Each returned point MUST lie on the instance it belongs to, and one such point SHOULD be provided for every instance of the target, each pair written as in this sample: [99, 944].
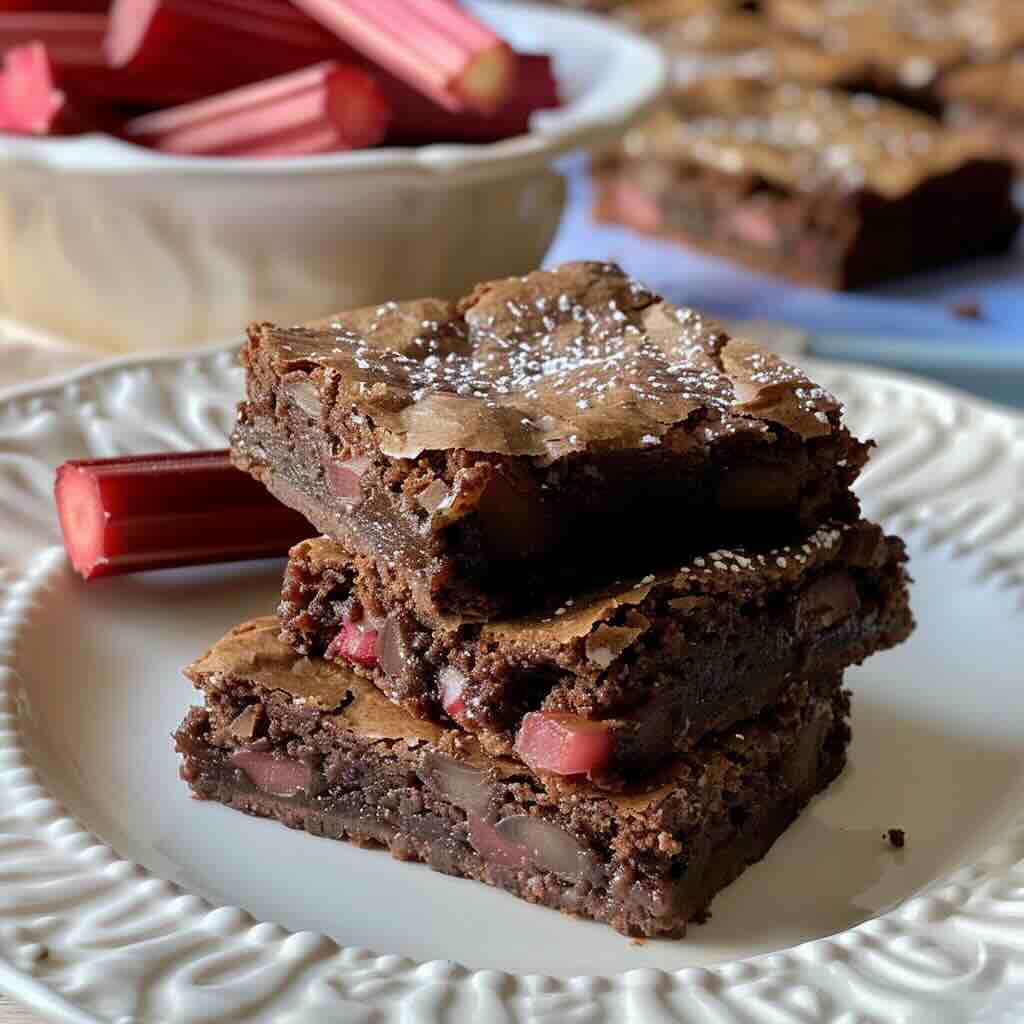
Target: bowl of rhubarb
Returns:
[170, 170]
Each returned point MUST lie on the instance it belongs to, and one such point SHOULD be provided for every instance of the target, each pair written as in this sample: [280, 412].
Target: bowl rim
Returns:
[629, 89]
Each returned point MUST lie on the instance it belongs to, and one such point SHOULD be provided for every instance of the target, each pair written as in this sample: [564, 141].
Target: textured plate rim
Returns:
[978, 911]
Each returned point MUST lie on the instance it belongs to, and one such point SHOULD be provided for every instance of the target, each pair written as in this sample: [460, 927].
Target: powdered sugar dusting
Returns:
[809, 138]
[730, 563]
[547, 364]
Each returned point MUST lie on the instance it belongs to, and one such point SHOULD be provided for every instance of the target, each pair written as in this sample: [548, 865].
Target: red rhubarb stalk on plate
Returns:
[431, 45]
[326, 107]
[145, 512]
[563, 744]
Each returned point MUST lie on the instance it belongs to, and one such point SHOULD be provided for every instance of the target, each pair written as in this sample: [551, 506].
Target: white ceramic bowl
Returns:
[119, 248]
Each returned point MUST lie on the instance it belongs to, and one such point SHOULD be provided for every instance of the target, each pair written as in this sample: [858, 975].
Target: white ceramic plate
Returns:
[166, 917]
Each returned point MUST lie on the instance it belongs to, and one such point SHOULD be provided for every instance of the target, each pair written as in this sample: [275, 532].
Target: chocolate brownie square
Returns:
[292, 738]
[543, 434]
[612, 684]
[816, 185]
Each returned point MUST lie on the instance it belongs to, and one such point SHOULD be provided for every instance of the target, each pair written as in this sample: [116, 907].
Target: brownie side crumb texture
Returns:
[342, 762]
[657, 664]
[732, 172]
[526, 425]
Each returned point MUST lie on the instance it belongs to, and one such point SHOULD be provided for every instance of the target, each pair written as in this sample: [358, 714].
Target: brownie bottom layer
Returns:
[409, 819]
[777, 236]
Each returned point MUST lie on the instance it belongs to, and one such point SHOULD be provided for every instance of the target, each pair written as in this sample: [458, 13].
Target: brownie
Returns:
[543, 434]
[815, 185]
[291, 738]
[640, 671]
[901, 49]
[987, 100]
[704, 39]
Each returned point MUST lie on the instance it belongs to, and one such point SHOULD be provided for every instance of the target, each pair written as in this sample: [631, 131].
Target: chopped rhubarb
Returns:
[355, 642]
[30, 102]
[142, 29]
[345, 477]
[417, 119]
[326, 107]
[157, 511]
[279, 776]
[431, 45]
[75, 47]
[453, 685]
[563, 744]
[493, 846]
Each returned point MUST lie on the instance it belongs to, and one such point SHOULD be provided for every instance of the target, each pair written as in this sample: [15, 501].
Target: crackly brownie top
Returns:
[995, 86]
[705, 40]
[253, 654]
[914, 39]
[805, 138]
[697, 24]
[690, 588]
[581, 356]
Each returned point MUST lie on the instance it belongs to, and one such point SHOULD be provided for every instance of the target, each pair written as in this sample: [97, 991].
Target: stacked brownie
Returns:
[590, 577]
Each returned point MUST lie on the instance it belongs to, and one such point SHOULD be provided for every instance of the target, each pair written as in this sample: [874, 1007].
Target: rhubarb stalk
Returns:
[431, 45]
[216, 45]
[157, 511]
[75, 47]
[30, 102]
[68, 38]
[327, 107]
[416, 119]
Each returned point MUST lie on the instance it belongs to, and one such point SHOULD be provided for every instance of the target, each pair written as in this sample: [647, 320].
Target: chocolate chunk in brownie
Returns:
[816, 185]
[613, 682]
[291, 738]
[545, 433]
